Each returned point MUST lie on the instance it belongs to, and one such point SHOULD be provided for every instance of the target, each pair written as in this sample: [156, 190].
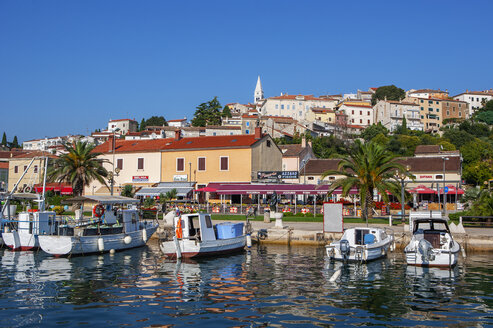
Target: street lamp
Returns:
[402, 176]
[444, 194]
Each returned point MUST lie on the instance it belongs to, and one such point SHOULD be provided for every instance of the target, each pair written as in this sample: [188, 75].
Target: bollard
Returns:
[267, 217]
[390, 220]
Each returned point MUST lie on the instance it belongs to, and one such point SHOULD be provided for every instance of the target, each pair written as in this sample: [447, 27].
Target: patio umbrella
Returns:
[422, 189]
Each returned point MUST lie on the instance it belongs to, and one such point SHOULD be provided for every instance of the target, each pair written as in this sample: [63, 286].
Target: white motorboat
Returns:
[110, 228]
[432, 244]
[195, 236]
[361, 244]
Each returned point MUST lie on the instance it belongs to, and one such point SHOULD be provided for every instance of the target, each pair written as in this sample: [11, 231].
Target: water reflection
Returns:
[271, 285]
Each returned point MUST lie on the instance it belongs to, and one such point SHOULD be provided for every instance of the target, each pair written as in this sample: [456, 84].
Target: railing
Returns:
[477, 221]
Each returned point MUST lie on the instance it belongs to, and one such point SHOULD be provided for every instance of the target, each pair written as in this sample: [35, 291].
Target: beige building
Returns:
[295, 156]
[123, 126]
[220, 159]
[391, 113]
[323, 115]
[295, 106]
[18, 164]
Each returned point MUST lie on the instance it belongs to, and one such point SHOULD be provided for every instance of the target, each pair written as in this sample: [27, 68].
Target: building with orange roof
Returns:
[428, 93]
[429, 111]
[295, 106]
[475, 99]
[358, 112]
[230, 158]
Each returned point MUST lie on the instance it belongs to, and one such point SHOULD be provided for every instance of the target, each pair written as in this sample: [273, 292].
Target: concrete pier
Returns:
[311, 233]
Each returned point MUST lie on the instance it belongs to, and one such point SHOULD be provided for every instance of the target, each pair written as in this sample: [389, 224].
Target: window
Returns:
[368, 113]
[448, 113]
[201, 164]
[447, 104]
[268, 143]
[437, 102]
[439, 177]
[119, 163]
[352, 121]
[438, 110]
[277, 106]
[422, 108]
[16, 169]
[224, 161]
[301, 113]
[460, 114]
[361, 112]
[35, 169]
[422, 101]
[287, 107]
[140, 163]
[430, 109]
[214, 133]
[294, 107]
[422, 117]
[360, 121]
[282, 106]
[180, 164]
[368, 122]
[352, 112]
[247, 124]
[247, 131]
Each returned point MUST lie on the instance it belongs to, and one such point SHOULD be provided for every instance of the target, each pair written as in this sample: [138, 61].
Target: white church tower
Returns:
[259, 93]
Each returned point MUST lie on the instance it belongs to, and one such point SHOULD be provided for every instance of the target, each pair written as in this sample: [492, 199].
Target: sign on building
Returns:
[140, 178]
[180, 177]
[277, 175]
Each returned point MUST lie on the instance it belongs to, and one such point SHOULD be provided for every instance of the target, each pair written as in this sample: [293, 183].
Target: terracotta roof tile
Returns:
[319, 166]
[156, 145]
[4, 165]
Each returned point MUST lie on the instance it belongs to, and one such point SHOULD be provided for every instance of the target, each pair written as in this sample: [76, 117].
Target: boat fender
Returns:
[98, 210]
[392, 246]
[249, 240]
[335, 275]
[127, 239]
[144, 235]
[112, 251]
[101, 244]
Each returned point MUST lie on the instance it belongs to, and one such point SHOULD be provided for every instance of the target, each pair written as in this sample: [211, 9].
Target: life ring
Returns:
[27, 189]
[98, 210]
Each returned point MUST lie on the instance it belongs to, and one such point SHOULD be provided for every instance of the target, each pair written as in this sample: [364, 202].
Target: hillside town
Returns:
[249, 149]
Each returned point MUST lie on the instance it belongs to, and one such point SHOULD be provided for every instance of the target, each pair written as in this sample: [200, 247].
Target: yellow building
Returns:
[34, 175]
[220, 158]
[321, 115]
[430, 112]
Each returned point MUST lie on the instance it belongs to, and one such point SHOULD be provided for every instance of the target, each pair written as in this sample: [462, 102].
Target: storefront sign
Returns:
[140, 178]
[180, 177]
[426, 177]
[277, 175]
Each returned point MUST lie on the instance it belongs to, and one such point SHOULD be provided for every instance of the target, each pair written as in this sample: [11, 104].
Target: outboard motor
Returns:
[426, 250]
[345, 249]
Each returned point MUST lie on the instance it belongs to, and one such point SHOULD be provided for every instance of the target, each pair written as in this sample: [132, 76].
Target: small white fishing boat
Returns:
[195, 236]
[111, 227]
[432, 244]
[28, 225]
[361, 244]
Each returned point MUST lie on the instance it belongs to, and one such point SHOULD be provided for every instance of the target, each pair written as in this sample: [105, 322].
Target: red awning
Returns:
[421, 189]
[64, 189]
[452, 190]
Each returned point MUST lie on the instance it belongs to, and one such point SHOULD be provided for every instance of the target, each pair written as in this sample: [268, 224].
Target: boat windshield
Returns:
[430, 226]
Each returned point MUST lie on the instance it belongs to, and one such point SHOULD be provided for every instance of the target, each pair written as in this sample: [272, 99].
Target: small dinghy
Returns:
[195, 236]
[432, 244]
[361, 244]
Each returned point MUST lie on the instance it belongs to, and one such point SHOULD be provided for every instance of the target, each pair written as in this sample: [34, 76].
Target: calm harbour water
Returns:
[270, 285]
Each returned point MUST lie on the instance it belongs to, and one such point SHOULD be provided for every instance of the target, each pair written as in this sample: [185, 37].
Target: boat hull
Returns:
[190, 248]
[442, 258]
[368, 253]
[82, 245]
[20, 241]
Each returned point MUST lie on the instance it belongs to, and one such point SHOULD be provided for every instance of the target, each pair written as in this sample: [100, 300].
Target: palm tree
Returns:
[79, 166]
[368, 167]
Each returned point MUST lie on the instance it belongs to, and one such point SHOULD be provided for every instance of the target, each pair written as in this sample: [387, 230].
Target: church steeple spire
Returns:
[259, 93]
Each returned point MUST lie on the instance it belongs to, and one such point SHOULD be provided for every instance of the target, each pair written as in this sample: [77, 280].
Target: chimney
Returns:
[303, 142]
[111, 142]
[258, 132]
[177, 134]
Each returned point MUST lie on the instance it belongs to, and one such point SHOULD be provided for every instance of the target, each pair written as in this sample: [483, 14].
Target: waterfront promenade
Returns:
[311, 233]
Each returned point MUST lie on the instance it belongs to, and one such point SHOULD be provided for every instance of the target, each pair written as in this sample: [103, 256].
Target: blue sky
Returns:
[70, 66]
